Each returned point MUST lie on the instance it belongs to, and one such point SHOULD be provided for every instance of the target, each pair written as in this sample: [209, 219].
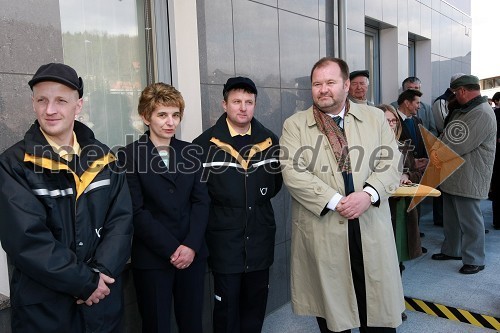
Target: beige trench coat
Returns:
[320, 268]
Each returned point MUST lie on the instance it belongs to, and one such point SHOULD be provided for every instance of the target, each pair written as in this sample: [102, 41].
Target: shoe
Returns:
[471, 269]
[442, 256]
[486, 231]
[404, 316]
[424, 250]
[422, 234]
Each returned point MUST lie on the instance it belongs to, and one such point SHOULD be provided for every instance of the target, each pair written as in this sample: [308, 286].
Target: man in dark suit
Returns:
[424, 112]
[408, 105]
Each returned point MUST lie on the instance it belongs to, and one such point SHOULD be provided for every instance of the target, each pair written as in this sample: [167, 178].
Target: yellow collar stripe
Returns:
[259, 147]
[93, 170]
[80, 182]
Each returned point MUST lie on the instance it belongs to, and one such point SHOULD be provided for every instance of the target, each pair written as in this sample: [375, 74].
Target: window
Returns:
[372, 62]
[106, 42]
[411, 57]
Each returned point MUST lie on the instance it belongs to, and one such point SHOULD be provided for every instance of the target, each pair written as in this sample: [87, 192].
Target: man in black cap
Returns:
[360, 80]
[243, 173]
[66, 222]
[470, 131]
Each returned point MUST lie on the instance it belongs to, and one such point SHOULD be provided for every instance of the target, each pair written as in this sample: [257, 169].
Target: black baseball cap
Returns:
[58, 73]
[239, 82]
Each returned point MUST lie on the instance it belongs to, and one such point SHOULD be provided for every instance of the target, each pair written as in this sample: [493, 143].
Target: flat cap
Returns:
[455, 76]
[239, 82]
[364, 73]
[464, 80]
[60, 73]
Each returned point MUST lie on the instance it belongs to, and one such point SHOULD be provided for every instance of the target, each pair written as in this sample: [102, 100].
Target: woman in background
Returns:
[406, 231]
[408, 247]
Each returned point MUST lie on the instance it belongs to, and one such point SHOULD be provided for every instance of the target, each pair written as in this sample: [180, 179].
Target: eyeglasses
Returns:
[390, 121]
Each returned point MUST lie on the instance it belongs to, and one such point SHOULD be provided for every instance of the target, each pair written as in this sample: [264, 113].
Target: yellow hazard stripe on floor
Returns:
[448, 312]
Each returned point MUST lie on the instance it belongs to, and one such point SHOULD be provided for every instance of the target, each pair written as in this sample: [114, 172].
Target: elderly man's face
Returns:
[359, 87]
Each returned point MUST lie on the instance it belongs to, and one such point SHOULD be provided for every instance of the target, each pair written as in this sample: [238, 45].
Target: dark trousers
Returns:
[62, 315]
[240, 301]
[437, 210]
[155, 290]
[358, 276]
[495, 204]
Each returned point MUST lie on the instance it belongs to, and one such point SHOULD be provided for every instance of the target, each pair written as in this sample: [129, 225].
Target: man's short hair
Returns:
[410, 79]
[344, 68]
[408, 95]
[496, 96]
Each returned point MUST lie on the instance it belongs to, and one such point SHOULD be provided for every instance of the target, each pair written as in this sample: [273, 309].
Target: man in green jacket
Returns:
[470, 131]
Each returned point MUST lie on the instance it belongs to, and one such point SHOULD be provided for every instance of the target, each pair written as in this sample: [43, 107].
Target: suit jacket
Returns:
[419, 151]
[426, 115]
[170, 204]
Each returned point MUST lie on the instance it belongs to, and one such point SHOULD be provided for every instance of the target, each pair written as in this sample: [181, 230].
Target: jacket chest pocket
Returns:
[58, 200]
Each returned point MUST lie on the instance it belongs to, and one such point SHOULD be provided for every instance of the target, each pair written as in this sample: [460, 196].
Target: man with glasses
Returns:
[470, 131]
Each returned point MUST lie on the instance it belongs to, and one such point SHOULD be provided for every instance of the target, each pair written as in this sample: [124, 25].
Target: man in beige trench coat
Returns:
[344, 265]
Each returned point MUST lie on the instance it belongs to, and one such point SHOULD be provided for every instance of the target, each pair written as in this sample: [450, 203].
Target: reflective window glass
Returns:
[104, 41]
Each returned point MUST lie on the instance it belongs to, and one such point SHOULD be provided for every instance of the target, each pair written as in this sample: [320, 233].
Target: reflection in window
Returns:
[104, 42]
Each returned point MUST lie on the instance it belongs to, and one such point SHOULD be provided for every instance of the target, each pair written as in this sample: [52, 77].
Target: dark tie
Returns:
[338, 119]
[411, 128]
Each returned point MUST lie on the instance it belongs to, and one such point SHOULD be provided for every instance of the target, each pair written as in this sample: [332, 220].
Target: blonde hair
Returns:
[391, 109]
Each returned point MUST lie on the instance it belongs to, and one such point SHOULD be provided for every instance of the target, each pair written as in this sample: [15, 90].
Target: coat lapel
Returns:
[148, 153]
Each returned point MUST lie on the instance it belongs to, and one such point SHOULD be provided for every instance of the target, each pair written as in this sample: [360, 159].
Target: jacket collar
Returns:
[37, 145]
[354, 110]
[221, 131]
[473, 103]
[93, 158]
[151, 156]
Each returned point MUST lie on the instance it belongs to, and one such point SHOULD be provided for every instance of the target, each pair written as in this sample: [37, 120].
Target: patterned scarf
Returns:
[336, 137]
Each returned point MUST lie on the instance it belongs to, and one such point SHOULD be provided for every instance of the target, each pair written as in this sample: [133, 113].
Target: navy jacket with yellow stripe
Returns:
[241, 227]
[61, 223]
